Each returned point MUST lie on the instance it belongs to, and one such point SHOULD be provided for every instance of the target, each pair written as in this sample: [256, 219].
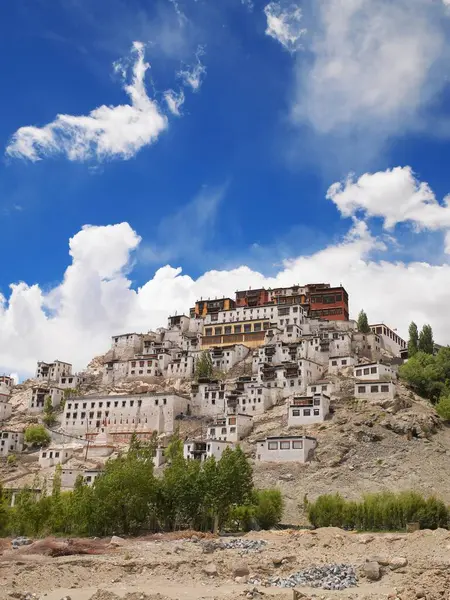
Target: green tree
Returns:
[413, 342]
[268, 507]
[37, 436]
[363, 323]
[204, 366]
[443, 407]
[424, 375]
[426, 342]
[49, 415]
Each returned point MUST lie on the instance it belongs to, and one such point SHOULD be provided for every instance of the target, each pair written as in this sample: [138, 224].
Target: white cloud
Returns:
[74, 321]
[107, 132]
[394, 195]
[174, 101]
[284, 24]
[374, 67]
[192, 76]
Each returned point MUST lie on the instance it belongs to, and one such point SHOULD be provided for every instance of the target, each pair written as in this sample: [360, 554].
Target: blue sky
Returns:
[277, 102]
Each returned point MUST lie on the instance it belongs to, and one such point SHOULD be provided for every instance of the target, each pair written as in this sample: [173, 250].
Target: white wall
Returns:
[372, 371]
[308, 410]
[5, 408]
[297, 449]
[375, 390]
[10, 441]
[337, 363]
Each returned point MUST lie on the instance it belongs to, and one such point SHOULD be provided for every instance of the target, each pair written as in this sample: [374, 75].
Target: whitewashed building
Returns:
[285, 449]
[307, 410]
[5, 407]
[10, 441]
[53, 371]
[225, 357]
[55, 455]
[70, 381]
[390, 340]
[231, 428]
[182, 366]
[208, 398]
[202, 450]
[39, 395]
[322, 386]
[375, 389]
[337, 363]
[6, 384]
[124, 414]
[372, 371]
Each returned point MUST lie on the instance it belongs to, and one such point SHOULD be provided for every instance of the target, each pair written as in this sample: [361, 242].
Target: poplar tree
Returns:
[413, 342]
[426, 342]
[363, 323]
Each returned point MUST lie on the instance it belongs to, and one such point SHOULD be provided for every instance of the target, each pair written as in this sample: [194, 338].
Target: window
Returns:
[232, 429]
[208, 331]
[156, 402]
[316, 412]
[306, 412]
[272, 446]
[228, 330]
[164, 400]
[344, 362]
[56, 454]
[218, 331]
[67, 415]
[361, 389]
[385, 388]
[295, 413]
[224, 431]
[373, 369]
[257, 327]
[285, 445]
[297, 445]
[316, 401]
[366, 371]
[313, 389]
[373, 389]
[292, 383]
[247, 328]
[237, 328]
[358, 372]
[212, 432]
[334, 363]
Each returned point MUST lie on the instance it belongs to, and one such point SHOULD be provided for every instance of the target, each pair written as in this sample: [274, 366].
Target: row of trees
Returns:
[378, 512]
[129, 498]
[420, 342]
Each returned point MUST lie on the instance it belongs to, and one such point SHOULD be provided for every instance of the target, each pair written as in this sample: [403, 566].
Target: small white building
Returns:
[182, 366]
[372, 371]
[208, 398]
[100, 446]
[70, 475]
[39, 395]
[53, 371]
[307, 410]
[5, 407]
[70, 381]
[11, 441]
[322, 386]
[55, 455]
[225, 357]
[230, 428]
[285, 449]
[143, 366]
[202, 450]
[374, 390]
[6, 384]
[337, 363]
[127, 341]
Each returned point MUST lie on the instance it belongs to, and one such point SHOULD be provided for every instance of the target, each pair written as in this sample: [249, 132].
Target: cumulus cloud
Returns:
[95, 299]
[284, 24]
[374, 66]
[107, 132]
[192, 76]
[395, 195]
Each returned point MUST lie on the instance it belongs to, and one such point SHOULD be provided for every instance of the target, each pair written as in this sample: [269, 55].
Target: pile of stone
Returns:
[326, 577]
[20, 541]
[245, 545]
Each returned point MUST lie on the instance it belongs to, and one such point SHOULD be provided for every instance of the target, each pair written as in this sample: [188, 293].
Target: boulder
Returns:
[117, 541]
[241, 570]
[372, 571]
[210, 569]
[398, 562]
[208, 547]
[381, 560]
[240, 579]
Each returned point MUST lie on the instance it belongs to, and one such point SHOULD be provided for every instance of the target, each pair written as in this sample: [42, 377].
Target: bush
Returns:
[37, 436]
[443, 407]
[379, 512]
[268, 507]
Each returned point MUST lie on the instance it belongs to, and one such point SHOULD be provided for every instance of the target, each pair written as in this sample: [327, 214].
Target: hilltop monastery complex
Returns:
[266, 347]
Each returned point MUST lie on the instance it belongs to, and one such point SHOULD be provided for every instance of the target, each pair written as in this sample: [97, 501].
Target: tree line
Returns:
[128, 498]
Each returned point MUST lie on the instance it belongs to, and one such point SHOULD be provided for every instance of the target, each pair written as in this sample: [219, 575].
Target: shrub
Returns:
[379, 512]
[37, 435]
[268, 505]
[443, 408]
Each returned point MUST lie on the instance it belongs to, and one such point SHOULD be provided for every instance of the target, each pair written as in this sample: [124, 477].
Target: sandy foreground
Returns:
[188, 568]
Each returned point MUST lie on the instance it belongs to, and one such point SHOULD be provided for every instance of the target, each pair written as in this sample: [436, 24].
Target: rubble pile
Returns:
[245, 545]
[327, 577]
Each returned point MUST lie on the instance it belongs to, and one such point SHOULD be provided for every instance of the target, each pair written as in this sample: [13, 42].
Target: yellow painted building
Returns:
[248, 333]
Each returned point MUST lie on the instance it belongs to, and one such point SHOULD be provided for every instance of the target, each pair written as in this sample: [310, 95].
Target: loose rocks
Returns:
[241, 570]
[117, 541]
[398, 562]
[327, 577]
[372, 571]
[244, 545]
[210, 569]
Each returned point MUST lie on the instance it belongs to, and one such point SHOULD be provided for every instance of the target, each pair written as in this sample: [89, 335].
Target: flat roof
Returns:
[287, 437]
[359, 365]
[379, 381]
[119, 396]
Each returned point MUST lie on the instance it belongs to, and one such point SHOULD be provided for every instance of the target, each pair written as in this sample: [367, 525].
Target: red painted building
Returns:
[252, 298]
[328, 303]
